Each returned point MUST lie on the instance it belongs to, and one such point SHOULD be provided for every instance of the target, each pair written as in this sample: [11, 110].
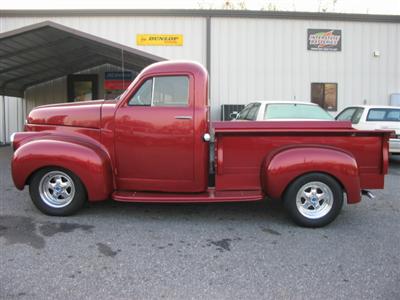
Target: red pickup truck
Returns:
[156, 144]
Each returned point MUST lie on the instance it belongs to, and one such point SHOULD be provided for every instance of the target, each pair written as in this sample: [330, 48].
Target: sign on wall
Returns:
[115, 83]
[159, 39]
[117, 80]
[324, 40]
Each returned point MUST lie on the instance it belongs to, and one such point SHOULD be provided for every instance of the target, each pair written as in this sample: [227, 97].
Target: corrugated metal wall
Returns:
[123, 30]
[12, 116]
[251, 58]
[267, 59]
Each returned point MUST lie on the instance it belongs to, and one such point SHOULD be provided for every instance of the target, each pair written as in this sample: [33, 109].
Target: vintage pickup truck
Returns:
[153, 145]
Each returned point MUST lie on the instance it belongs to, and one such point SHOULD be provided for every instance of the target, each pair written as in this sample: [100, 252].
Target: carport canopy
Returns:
[45, 51]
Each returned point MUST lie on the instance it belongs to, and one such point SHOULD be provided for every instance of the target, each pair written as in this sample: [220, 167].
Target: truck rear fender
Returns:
[285, 165]
[90, 163]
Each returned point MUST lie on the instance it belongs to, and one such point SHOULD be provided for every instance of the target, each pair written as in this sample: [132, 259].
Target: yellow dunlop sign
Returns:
[159, 39]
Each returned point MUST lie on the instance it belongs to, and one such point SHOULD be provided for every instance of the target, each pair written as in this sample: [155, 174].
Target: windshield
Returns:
[295, 111]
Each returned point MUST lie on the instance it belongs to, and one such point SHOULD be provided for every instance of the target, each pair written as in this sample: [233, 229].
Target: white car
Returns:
[375, 117]
[282, 111]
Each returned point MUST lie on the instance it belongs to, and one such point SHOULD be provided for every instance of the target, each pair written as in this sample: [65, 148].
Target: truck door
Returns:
[154, 136]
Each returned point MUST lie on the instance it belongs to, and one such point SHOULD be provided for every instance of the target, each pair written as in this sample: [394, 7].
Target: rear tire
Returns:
[57, 192]
[314, 200]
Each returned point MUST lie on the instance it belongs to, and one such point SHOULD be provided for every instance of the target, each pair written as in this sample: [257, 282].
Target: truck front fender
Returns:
[90, 163]
[284, 166]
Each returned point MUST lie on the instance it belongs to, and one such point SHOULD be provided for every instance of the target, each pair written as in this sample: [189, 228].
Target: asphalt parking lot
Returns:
[116, 250]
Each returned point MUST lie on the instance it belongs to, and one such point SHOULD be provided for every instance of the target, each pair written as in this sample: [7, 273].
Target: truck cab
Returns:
[159, 124]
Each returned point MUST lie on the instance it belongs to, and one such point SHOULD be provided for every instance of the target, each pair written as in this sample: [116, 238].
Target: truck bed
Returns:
[241, 147]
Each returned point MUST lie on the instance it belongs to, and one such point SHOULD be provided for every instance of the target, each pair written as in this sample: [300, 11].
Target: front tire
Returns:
[314, 200]
[57, 192]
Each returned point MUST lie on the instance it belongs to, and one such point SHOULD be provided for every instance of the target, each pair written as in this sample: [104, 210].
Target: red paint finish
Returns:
[240, 154]
[281, 126]
[146, 154]
[90, 163]
[289, 163]
[151, 138]
[81, 114]
[211, 195]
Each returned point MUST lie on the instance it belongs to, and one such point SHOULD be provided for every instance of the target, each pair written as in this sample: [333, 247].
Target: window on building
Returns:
[325, 95]
[163, 91]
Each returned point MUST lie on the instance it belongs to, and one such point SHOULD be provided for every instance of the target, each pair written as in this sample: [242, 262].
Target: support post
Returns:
[3, 121]
[208, 45]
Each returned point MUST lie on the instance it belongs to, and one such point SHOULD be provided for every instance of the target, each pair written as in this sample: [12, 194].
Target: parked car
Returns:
[371, 117]
[282, 110]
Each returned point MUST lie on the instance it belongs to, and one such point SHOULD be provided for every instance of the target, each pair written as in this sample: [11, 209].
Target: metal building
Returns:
[332, 59]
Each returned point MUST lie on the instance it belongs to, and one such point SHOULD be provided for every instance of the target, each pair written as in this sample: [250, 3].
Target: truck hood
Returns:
[82, 114]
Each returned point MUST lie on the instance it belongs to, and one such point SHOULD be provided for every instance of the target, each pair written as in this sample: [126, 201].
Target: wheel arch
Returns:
[88, 162]
[283, 167]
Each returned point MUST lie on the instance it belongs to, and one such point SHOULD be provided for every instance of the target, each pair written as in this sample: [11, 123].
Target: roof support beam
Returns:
[107, 51]
[86, 66]
[60, 67]
[60, 57]
[12, 93]
[48, 45]
[128, 64]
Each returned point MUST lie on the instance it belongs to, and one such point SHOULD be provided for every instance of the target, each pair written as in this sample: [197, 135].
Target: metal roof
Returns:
[209, 13]
[41, 52]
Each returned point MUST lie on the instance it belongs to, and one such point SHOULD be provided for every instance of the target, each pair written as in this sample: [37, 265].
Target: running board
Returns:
[209, 196]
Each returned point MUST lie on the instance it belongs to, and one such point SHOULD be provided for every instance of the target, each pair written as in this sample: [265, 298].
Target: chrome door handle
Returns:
[183, 117]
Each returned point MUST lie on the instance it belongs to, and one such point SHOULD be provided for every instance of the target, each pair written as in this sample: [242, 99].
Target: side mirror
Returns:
[233, 115]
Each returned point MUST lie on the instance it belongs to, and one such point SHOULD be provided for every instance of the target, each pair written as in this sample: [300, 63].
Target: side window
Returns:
[171, 91]
[346, 115]
[393, 115]
[376, 115]
[243, 114]
[143, 95]
[163, 91]
[252, 115]
[384, 114]
[357, 116]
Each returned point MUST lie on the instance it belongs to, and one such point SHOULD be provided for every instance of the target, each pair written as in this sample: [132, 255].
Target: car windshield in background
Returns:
[384, 114]
[295, 111]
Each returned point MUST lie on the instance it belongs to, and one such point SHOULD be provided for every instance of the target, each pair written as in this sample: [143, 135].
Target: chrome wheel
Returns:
[56, 189]
[314, 200]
